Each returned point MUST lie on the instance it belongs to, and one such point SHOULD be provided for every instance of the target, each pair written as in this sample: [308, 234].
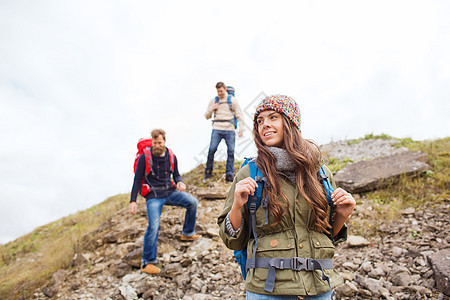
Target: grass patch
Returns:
[370, 136]
[28, 262]
[432, 188]
[335, 164]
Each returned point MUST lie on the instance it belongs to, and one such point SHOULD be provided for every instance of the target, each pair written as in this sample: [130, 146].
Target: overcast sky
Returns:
[82, 81]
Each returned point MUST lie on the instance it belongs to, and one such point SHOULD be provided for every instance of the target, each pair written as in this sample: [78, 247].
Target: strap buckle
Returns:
[301, 263]
[253, 205]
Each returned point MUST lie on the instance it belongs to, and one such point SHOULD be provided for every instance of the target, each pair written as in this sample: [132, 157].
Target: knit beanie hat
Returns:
[282, 104]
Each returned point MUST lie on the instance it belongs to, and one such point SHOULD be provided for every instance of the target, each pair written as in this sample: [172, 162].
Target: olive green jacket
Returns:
[292, 237]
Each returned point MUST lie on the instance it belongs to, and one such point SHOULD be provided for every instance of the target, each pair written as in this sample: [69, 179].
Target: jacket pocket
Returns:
[323, 247]
[275, 246]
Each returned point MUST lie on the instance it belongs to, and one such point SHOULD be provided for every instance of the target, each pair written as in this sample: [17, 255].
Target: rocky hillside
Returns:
[397, 250]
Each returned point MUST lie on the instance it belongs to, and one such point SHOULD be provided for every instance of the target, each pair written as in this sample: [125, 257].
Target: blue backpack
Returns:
[230, 91]
[254, 203]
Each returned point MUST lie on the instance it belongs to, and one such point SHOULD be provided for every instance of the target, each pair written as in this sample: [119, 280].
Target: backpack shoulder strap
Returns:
[148, 160]
[171, 159]
[232, 111]
[216, 99]
[323, 178]
[229, 103]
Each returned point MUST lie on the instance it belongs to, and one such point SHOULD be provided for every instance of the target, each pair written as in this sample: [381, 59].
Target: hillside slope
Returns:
[94, 254]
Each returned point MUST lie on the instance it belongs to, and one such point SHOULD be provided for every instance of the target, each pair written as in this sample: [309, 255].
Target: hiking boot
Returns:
[229, 178]
[208, 175]
[150, 269]
[189, 238]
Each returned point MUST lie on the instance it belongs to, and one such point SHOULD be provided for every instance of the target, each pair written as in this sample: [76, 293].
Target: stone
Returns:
[171, 270]
[368, 175]
[128, 292]
[59, 276]
[212, 231]
[121, 269]
[356, 241]
[347, 289]
[397, 251]
[348, 276]
[409, 211]
[78, 260]
[133, 258]
[376, 273]
[350, 265]
[401, 279]
[440, 263]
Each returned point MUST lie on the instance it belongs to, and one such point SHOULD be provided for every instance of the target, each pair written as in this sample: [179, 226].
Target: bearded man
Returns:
[163, 191]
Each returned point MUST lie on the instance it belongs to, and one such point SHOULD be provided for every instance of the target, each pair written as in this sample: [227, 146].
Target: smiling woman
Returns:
[291, 234]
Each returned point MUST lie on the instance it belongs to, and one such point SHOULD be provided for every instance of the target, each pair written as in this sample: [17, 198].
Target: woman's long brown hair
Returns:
[307, 156]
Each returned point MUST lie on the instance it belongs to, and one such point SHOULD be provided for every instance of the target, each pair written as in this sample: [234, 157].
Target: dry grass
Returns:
[29, 261]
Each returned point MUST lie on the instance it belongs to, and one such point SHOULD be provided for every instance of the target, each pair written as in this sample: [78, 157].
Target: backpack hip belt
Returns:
[162, 187]
[294, 263]
[231, 121]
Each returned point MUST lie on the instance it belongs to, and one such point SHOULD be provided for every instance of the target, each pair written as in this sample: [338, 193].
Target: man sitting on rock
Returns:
[162, 192]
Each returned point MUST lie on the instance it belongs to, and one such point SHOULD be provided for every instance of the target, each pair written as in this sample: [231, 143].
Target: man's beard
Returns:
[158, 151]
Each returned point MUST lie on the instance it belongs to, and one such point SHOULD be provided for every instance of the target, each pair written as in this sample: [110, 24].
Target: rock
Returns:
[373, 285]
[128, 292]
[133, 258]
[213, 193]
[376, 273]
[397, 251]
[348, 276]
[367, 175]
[212, 231]
[350, 265]
[409, 211]
[367, 266]
[78, 260]
[49, 292]
[440, 262]
[356, 241]
[171, 270]
[121, 269]
[199, 296]
[347, 289]
[401, 279]
[59, 276]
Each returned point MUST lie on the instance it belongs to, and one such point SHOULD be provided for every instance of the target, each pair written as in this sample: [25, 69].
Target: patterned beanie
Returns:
[282, 104]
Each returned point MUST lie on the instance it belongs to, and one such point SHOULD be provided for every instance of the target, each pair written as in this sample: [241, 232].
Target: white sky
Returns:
[82, 81]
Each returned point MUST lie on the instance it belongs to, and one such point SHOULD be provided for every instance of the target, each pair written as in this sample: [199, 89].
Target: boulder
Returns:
[368, 175]
[440, 262]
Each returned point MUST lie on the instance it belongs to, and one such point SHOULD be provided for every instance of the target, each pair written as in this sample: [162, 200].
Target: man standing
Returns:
[227, 113]
[163, 164]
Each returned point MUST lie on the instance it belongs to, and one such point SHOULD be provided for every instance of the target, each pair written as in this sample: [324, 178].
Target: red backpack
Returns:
[145, 146]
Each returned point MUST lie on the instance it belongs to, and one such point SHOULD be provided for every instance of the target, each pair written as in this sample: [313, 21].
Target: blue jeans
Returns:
[253, 296]
[154, 208]
[216, 138]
